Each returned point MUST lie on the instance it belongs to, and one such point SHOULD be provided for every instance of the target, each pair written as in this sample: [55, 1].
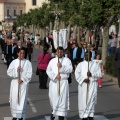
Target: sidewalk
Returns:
[110, 77]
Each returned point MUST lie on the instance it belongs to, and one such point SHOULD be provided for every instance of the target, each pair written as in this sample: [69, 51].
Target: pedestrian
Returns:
[117, 59]
[19, 46]
[93, 52]
[59, 103]
[43, 60]
[47, 41]
[29, 49]
[18, 110]
[87, 87]
[99, 62]
[8, 52]
[113, 44]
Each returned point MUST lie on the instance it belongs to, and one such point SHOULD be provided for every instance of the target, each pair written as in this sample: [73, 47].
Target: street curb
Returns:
[110, 77]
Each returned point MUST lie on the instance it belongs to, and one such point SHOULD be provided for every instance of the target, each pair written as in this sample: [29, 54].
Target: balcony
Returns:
[10, 17]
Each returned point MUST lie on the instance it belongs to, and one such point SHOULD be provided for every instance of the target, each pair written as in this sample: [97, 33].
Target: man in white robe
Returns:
[87, 96]
[18, 109]
[59, 104]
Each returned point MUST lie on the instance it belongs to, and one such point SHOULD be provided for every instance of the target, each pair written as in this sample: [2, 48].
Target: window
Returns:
[14, 12]
[33, 2]
[20, 12]
[8, 13]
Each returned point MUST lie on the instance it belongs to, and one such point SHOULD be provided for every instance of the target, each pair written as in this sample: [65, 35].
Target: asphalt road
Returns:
[38, 107]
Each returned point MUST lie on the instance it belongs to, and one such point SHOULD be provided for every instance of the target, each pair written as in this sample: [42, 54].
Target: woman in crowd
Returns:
[43, 60]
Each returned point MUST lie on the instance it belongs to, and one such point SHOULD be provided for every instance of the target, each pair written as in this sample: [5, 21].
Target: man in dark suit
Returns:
[19, 45]
[75, 54]
[14, 45]
[8, 52]
[47, 41]
[117, 59]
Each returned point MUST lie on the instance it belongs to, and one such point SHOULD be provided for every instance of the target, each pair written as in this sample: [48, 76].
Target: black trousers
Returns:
[118, 76]
[29, 57]
[8, 59]
[43, 79]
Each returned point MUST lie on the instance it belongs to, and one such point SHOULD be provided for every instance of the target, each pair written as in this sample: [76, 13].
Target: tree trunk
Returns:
[75, 32]
[87, 35]
[105, 43]
[68, 32]
[78, 35]
[50, 27]
[62, 25]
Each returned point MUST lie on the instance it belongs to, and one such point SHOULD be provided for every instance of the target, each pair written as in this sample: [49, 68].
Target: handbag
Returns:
[37, 71]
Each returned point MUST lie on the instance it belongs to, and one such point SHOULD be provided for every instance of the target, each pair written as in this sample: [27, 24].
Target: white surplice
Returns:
[59, 104]
[19, 110]
[87, 109]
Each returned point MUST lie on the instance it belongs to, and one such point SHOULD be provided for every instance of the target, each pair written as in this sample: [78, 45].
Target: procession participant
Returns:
[18, 110]
[99, 62]
[59, 103]
[87, 87]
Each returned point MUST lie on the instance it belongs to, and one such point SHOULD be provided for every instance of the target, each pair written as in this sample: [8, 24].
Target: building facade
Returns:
[10, 8]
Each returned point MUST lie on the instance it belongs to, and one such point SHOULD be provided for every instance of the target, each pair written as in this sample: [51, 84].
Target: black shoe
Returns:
[85, 119]
[40, 87]
[90, 118]
[45, 87]
[51, 117]
[21, 119]
[61, 118]
[14, 119]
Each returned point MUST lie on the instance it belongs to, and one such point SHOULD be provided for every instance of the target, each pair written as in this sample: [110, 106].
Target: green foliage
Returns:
[110, 66]
[85, 13]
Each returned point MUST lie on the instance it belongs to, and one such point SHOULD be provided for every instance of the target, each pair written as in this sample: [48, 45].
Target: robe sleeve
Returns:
[66, 69]
[11, 71]
[52, 75]
[79, 77]
[27, 75]
[96, 72]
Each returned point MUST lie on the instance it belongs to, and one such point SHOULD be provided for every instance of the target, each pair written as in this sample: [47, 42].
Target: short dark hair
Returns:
[45, 48]
[19, 49]
[28, 38]
[60, 48]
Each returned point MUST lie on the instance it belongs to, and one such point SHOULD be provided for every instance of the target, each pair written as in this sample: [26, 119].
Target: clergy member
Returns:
[59, 104]
[87, 97]
[18, 110]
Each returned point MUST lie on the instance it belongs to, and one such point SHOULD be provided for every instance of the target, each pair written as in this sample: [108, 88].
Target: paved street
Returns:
[38, 107]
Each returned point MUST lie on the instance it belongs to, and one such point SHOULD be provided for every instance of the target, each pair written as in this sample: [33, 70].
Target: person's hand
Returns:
[89, 74]
[58, 77]
[59, 65]
[20, 81]
[14, 46]
[19, 67]
[87, 81]
[102, 71]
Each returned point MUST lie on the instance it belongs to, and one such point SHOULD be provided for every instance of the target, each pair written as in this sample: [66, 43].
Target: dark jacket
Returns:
[49, 41]
[78, 55]
[29, 48]
[117, 57]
